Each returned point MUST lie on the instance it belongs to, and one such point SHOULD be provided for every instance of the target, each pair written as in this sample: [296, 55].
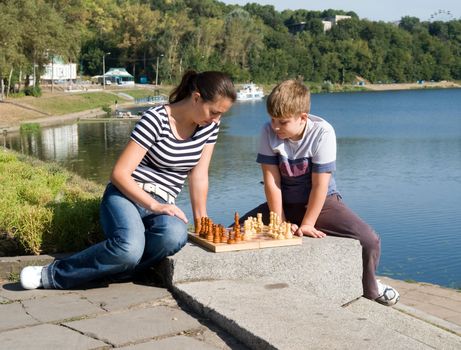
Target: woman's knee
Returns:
[126, 252]
[176, 237]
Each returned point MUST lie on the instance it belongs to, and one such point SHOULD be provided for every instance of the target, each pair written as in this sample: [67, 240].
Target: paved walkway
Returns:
[430, 302]
[147, 316]
[119, 315]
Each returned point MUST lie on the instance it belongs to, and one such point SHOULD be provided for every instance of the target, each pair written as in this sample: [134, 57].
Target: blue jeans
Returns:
[136, 238]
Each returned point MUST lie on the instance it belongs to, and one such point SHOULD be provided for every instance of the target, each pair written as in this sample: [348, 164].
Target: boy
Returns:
[298, 157]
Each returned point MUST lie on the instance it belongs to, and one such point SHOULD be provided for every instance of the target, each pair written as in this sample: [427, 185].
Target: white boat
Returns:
[250, 92]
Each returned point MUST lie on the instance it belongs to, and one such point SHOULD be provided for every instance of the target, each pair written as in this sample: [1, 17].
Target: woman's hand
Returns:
[168, 209]
[308, 230]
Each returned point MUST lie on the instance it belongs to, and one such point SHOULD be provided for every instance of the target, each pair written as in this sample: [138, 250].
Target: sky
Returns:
[375, 10]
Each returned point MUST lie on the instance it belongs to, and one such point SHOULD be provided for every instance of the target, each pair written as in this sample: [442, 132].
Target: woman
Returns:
[139, 217]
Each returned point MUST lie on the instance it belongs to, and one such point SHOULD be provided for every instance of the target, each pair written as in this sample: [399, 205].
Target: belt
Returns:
[155, 189]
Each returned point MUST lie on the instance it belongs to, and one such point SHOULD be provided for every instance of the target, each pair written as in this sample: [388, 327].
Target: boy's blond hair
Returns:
[287, 99]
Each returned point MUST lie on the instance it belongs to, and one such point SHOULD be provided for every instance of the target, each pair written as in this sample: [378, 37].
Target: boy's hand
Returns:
[309, 230]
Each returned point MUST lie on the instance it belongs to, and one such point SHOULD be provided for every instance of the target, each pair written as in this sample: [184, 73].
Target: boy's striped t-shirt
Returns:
[168, 160]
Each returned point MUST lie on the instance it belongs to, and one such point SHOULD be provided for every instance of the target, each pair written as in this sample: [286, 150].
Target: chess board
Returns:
[259, 241]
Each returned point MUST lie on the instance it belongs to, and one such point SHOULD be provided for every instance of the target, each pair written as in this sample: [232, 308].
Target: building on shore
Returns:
[117, 76]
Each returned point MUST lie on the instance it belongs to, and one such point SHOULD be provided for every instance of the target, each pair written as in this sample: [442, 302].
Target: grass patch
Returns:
[13, 277]
[58, 105]
[44, 208]
[29, 128]
[410, 281]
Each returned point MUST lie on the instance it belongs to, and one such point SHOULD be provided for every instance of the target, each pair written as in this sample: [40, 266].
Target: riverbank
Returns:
[62, 106]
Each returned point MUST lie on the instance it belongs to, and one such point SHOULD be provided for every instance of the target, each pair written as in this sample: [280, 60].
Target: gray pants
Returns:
[336, 219]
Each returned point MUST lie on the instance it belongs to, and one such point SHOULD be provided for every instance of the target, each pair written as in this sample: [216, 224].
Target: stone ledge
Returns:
[329, 267]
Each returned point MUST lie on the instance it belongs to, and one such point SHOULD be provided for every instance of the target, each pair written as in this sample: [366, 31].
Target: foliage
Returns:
[30, 128]
[252, 43]
[35, 91]
[44, 208]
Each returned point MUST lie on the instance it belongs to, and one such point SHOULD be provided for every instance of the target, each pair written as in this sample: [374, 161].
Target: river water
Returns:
[399, 168]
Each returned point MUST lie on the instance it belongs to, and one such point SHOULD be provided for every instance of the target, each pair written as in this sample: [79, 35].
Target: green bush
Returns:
[35, 91]
[108, 110]
[44, 208]
[29, 128]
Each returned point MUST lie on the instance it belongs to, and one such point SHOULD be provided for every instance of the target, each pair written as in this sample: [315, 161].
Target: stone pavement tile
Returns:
[136, 325]
[173, 343]
[455, 319]
[118, 296]
[390, 318]
[14, 291]
[218, 338]
[60, 307]
[442, 302]
[46, 337]
[13, 315]
[435, 310]
[421, 287]
[4, 300]
[428, 318]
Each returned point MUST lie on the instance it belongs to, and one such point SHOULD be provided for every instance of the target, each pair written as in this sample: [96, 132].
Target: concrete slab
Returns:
[14, 292]
[174, 343]
[451, 326]
[280, 316]
[390, 318]
[60, 307]
[14, 264]
[14, 316]
[330, 267]
[118, 296]
[46, 337]
[136, 326]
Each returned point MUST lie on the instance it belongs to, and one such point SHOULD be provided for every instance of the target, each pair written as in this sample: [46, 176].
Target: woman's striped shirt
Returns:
[168, 160]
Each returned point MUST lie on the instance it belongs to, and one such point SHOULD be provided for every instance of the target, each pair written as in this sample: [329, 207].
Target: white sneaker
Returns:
[387, 295]
[31, 277]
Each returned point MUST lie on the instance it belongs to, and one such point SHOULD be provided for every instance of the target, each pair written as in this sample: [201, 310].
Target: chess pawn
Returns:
[210, 233]
[197, 225]
[288, 233]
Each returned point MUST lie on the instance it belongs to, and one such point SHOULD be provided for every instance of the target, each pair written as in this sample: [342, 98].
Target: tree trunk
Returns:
[2, 88]
[20, 80]
[9, 83]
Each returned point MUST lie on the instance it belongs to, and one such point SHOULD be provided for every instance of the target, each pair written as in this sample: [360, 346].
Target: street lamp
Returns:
[104, 69]
[156, 71]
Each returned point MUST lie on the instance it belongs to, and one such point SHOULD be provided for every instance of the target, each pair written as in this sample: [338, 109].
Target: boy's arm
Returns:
[317, 198]
[271, 175]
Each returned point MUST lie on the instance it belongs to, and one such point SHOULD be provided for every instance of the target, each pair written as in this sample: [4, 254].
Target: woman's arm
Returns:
[121, 178]
[317, 198]
[198, 183]
[272, 189]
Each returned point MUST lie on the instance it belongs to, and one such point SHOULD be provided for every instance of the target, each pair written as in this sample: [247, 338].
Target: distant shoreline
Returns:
[412, 86]
[13, 115]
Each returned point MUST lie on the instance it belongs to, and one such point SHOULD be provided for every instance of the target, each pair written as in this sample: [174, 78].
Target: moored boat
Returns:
[250, 92]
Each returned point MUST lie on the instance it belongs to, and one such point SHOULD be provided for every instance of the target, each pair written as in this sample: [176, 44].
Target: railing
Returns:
[158, 99]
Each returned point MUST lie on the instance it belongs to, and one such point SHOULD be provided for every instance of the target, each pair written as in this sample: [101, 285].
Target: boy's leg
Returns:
[120, 252]
[336, 219]
[165, 235]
